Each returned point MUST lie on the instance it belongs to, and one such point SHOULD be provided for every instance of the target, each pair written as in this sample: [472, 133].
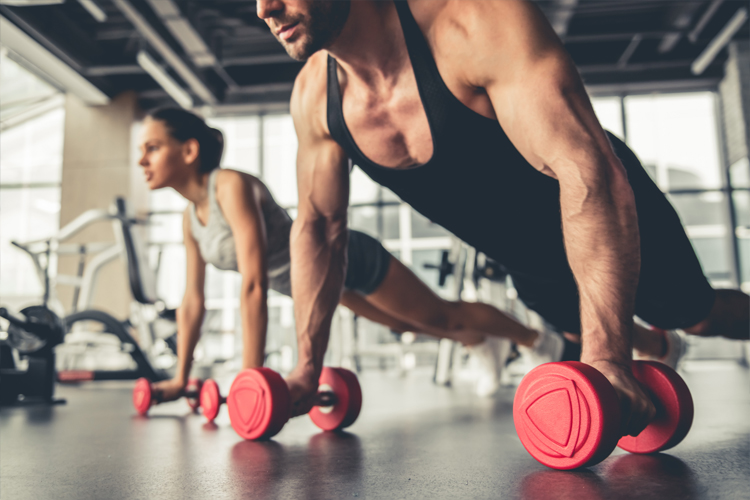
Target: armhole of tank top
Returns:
[214, 200]
[333, 101]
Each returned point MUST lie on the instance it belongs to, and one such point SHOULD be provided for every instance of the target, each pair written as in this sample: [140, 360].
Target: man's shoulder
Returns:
[480, 36]
[310, 87]
[470, 17]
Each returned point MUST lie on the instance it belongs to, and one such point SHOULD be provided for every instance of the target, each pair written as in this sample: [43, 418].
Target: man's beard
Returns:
[323, 25]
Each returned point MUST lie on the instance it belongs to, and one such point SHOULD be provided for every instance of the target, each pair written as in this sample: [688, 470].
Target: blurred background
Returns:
[672, 78]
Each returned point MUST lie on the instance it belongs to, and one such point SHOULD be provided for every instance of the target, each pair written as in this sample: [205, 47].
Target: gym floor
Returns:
[412, 440]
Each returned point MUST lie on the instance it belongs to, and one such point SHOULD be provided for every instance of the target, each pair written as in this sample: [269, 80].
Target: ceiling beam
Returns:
[561, 16]
[649, 66]
[48, 64]
[190, 40]
[629, 50]
[280, 58]
[616, 37]
[122, 69]
[681, 14]
[719, 42]
[704, 20]
[166, 52]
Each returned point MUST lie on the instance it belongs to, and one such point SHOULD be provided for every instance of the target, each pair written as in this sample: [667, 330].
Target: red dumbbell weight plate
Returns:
[345, 386]
[674, 409]
[210, 399]
[194, 385]
[567, 415]
[259, 403]
[142, 396]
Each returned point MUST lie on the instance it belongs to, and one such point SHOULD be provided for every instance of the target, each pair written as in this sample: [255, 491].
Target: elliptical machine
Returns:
[27, 356]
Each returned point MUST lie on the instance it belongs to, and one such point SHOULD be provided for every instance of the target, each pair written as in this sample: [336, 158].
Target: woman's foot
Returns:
[674, 347]
[547, 348]
[491, 355]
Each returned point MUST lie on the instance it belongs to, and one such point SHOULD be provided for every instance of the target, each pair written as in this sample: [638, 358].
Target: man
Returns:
[472, 112]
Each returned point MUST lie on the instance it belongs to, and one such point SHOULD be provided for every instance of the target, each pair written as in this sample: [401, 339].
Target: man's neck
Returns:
[371, 46]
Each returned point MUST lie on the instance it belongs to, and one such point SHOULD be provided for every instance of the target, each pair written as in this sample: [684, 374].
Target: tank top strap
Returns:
[216, 216]
[433, 92]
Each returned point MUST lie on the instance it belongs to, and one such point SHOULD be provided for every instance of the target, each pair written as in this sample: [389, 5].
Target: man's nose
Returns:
[267, 8]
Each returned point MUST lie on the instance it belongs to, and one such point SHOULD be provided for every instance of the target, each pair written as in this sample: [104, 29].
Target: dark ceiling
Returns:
[615, 43]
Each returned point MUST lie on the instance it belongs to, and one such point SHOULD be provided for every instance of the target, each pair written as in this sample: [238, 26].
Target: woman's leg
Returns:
[361, 307]
[405, 297]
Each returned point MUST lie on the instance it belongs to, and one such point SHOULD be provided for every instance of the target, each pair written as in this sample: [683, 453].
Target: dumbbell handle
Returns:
[156, 395]
[325, 398]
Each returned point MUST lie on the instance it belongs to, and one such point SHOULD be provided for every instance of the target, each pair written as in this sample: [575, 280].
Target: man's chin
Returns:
[297, 53]
[299, 48]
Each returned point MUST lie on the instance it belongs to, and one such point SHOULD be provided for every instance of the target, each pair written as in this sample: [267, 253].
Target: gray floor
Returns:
[413, 440]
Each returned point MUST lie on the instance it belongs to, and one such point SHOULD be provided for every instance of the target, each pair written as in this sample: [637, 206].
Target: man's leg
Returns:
[729, 317]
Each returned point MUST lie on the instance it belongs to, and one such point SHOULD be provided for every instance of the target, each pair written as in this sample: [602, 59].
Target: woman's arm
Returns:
[191, 311]
[189, 315]
[241, 208]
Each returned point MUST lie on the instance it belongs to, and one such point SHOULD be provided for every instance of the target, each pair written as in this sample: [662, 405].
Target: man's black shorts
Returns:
[672, 292]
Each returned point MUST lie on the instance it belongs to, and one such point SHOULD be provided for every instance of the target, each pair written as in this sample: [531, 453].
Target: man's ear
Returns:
[191, 151]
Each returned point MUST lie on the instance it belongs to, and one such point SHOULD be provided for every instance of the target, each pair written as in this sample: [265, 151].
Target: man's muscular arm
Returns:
[318, 242]
[539, 99]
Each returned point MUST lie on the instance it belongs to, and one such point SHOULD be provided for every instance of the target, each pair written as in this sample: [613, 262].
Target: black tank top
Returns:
[476, 185]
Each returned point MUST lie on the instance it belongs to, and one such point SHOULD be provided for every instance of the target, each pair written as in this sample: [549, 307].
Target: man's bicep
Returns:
[549, 118]
[322, 179]
[534, 87]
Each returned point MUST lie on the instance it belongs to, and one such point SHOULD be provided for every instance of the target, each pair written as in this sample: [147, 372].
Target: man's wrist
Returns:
[307, 369]
[609, 364]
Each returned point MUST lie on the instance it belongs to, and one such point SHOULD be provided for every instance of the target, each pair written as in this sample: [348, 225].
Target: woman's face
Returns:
[164, 159]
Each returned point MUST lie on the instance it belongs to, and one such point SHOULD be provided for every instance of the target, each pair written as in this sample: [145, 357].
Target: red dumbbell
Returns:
[144, 395]
[211, 399]
[567, 414]
[260, 404]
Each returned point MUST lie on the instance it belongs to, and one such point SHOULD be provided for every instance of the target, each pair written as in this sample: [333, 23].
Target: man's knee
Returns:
[728, 317]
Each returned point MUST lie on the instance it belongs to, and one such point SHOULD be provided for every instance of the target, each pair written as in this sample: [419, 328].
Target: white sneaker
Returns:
[490, 356]
[547, 348]
[676, 349]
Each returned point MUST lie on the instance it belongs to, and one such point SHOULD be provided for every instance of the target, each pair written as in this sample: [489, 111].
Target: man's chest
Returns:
[391, 125]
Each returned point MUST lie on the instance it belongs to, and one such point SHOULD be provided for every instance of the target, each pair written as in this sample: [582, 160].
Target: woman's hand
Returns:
[170, 390]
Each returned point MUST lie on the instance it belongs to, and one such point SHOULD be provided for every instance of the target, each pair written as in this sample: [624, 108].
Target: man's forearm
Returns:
[600, 228]
[318, 251]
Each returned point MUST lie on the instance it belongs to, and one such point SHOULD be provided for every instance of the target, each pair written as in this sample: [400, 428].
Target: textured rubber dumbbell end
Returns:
[347, 399]
[567, 415]
[193, 390]
[142, 396]
[674, 409]
[259, 403]
[210, 400]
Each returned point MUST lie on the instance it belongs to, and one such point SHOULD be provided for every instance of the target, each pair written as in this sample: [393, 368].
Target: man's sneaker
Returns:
[490, 356]
[676, 348]
[547, 348]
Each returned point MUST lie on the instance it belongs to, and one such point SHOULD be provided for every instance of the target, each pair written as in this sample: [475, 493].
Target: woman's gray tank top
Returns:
[216, 241]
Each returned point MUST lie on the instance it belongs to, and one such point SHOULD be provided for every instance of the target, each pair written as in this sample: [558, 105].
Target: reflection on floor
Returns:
[413, 440]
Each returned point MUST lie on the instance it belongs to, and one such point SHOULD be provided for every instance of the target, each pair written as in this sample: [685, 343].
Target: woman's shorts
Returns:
[368, 263]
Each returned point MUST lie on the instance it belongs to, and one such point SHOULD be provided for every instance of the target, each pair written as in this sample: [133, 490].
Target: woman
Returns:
[233, 222]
